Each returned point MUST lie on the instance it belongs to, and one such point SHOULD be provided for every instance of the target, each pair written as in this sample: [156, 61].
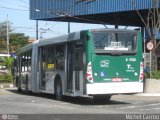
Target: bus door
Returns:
[70, 67]
[19, 70]
[75, 68]
[42, 68]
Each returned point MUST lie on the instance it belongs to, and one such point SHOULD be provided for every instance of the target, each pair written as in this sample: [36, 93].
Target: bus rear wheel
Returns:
[19, 90]
[102, 98]
[58, 90]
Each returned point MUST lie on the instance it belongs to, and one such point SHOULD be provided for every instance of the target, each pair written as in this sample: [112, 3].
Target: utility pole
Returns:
[7, 36]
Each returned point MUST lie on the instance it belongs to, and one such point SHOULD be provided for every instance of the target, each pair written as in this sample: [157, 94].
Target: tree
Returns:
[3, 28]
[3, 36]
[151, 22]
[2, 60]
[17, 40]
[8, 63]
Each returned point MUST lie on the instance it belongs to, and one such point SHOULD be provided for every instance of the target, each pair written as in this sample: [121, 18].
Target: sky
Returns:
[18, 15]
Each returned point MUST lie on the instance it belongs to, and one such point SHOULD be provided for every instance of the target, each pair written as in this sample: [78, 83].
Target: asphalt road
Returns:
[12, 102]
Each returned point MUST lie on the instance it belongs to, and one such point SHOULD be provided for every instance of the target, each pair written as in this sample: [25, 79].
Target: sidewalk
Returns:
[148, 94]
[6, 86]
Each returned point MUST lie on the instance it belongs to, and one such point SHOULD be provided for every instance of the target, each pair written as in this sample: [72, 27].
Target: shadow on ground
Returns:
[87, 100]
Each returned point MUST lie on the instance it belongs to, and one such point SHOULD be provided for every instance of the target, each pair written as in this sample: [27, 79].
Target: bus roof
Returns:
[114, 30]
[25, 48]
[75, 36]
[65, 38]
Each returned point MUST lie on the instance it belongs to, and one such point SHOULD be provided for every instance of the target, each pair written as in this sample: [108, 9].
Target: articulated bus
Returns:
[98, 63]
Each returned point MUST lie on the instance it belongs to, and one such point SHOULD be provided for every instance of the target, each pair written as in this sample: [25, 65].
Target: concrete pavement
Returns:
[6, 86]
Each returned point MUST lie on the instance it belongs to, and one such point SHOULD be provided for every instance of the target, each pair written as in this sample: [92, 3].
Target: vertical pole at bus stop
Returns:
[150, 63]
[144, 47]
[36, 29]
[68, 27]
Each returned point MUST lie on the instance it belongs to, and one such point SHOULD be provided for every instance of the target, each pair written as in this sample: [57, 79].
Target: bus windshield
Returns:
[115, 41]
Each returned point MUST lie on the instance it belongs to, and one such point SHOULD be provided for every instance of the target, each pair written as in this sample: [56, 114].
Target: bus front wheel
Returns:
[58, 90]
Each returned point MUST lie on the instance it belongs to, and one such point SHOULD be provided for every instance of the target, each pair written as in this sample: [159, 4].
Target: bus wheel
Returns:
[58, 90]
[26, 84]
[102, 98]
[19, 90]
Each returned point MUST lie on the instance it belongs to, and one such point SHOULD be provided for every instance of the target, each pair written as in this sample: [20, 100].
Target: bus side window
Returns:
[23, 62]
[26, 61]
[60, 57]
[29, 60]
[78, 55]
[51, 61]
[44, 58]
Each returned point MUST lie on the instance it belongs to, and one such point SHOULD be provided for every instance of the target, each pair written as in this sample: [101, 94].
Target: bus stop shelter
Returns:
[140, 13]
[113, 12]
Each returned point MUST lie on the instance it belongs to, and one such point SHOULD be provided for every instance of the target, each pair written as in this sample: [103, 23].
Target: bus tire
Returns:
[58, 90]
[26, 84]
[19, 90]
[102, 98]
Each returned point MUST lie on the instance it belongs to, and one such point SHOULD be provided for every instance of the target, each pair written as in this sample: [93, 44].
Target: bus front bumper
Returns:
[115, 88]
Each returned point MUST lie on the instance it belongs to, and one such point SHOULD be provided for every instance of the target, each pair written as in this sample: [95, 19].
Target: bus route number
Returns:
[131, 59]
[116, 44]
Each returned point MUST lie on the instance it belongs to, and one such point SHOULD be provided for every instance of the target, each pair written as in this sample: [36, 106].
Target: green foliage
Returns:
[154, 75]
[3, 28]
[8, 63]
[2, 60]
[3, 34]
[6, 78]
[146, 75]
[17, 40]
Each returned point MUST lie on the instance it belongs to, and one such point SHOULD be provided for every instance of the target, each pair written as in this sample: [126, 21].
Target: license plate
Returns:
[116, 79]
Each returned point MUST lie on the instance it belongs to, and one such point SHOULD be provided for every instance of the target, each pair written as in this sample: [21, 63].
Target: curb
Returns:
[6, 86]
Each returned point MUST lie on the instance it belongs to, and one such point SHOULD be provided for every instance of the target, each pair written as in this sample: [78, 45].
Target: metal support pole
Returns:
[68, 27]
[36, 29]
[144, 47]
[150, 63]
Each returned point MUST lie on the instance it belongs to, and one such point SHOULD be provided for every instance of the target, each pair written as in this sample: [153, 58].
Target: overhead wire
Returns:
[13, 9]
[61, 13]
[23, 1]
[57, 13]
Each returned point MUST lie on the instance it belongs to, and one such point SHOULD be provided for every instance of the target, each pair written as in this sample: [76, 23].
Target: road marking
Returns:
[138, 103]
[100, 106]
[151, 109]
[129, 107]
[153, 104]
[149, 105]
